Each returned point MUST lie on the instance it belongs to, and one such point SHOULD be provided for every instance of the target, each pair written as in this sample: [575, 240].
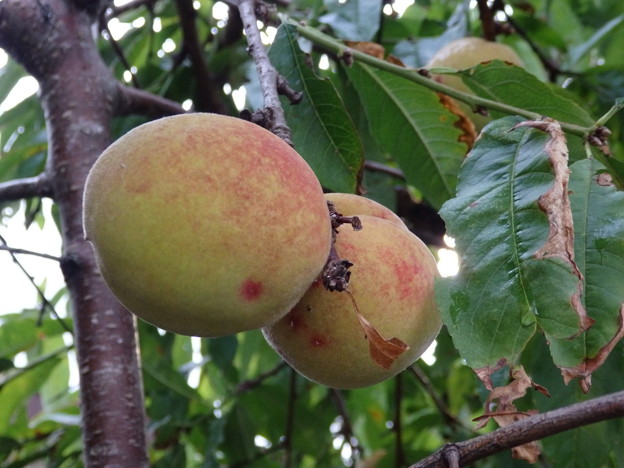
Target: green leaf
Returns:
[18, 387]
[493, 307]
[19, 332]
[509, 84]
[354, 20]
[409, 122]
[581, 50]
[323, 132]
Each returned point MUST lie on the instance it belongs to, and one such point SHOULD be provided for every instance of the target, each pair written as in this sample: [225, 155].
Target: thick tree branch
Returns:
[136, 101]
[529, 429]
[53, 40]
[19, 189]
[273, 114]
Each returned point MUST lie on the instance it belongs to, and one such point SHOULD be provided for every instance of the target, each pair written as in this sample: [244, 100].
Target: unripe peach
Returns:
[468, 52]
[206, 225]
[355, 205]
[392, 283]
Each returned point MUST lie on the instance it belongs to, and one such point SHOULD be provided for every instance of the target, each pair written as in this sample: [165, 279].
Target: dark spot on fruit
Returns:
[251, 290]
[318, 341]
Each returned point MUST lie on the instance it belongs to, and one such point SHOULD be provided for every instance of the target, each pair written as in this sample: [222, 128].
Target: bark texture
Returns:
[53, 40]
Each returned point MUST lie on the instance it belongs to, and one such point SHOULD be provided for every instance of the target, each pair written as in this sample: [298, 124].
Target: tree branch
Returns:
[529, 429]
[14, 251]
[272, 116]
[137, 101]
[45, 304]
[19, 189]
[53, 41]
[207, 95]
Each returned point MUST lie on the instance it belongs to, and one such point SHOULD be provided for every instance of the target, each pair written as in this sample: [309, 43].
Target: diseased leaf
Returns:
[556, 204]
[411, 124]
[599, 247]
[499, 406]
[504, 291]
[323, 132]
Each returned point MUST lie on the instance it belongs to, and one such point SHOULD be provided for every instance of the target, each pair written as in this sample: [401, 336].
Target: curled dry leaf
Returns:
[506, 413]
[384, 352]
[556, 204]
[485, 373]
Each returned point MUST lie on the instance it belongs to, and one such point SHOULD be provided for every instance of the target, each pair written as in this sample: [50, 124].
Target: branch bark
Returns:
[270, 80]
[527, 430]
[207, 95]
[53, 41]
[29, 187]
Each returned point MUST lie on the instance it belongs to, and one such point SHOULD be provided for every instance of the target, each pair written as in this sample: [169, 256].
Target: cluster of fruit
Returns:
[208, 225]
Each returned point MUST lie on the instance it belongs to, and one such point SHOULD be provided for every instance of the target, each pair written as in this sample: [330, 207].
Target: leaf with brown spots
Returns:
[556, 204]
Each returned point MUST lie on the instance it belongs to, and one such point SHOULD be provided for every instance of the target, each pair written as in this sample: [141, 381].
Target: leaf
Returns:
[383, 351]
[503, 290]
[510, 84]
[323, 132]
[506, 413]
[411, 124]
[556, 204]
[355, 20]
[581, 50]
[599, 247]
[18, 387]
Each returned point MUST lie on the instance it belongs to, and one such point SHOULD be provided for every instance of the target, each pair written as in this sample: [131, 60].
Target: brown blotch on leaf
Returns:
[556, 204]
[585, 369]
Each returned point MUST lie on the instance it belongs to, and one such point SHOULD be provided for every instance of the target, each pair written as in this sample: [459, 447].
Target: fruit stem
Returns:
[336, 272]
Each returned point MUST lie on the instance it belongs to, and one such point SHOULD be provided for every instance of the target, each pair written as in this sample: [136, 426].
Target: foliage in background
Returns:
[230, 401]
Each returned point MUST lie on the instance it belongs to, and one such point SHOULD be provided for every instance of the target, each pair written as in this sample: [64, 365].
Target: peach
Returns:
[355, 205]
[392, 283]
[206, 225]
[468, 52]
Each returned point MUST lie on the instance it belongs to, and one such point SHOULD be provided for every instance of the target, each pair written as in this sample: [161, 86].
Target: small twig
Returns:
[120, 55]
[290, 418]
[425, 382]
[207, 94]
[329, 43]
[399, 455]
[273, 113]
[384, 169]
[19, 189]
[13, 250]
[116, 11]
[550, 65]
[248, 385]
[530, 429]
[45, 304]
[346, 428]
[486, 15]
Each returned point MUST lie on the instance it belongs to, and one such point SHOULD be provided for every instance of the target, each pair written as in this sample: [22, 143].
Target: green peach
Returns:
[392, 283]
[206, 225]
